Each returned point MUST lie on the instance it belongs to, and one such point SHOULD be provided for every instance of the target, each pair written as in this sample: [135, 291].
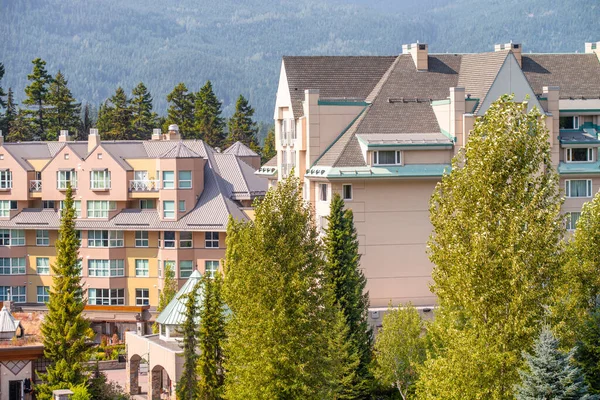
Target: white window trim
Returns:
[323, 188]
[569, 227]
[351, 192]
[42, 240]
[179, 180]
[6, 179]
[100, 180]
[591, 153]
[397, 157]
[61, 179]
[588, 188]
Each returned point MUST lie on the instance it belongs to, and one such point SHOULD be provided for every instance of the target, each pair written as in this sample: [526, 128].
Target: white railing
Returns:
[35, 186]
[144, 185]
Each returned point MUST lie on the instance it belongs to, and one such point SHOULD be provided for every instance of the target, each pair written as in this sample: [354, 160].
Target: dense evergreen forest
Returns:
[100, 45]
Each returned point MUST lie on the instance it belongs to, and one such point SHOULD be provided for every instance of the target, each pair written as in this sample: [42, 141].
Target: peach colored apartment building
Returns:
[381, 131]
[141, 205]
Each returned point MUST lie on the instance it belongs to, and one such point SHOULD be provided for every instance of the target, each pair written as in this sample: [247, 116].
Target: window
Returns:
[578, 188]
[48, 204]
[42, 238]
[42, 265]
[66, 177]
[147, 204]
[185, 268]
[570, 122]
[170, 265]
[100, 208]
[4, 237]
[572, 219]
[105, 239]
[66, 156]
[5, 179]
[117, 267]
[181, 205]
[387, 157]
[105, 297]
[185, 179]
[168, 209]
[323, 191]
[115, 239]
[141, 268]
[141, 238]
[17, 237]
[585, 154]
[6, 206]
[12, 293]
[99, 155]
[211, 268]
[159, 269]
[347, 192]
[100, 179]
[43, 294]
[106, 268]
[12, 266]
[142, 297]
[211, 240]
[185, 239]
[169, 239]
[76, 206]
[168, 180]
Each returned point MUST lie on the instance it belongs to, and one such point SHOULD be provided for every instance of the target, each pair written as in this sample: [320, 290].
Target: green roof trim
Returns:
[578, 168]
[341, 103]
[448, 135]
[404, 145]
[392, 171]
[581, 110]
[440, 102]
[476, 100]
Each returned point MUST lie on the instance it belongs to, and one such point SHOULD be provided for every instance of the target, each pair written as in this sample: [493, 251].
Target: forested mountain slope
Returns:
[101, 44]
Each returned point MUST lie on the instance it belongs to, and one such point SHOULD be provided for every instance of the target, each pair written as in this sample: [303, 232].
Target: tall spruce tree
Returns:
[180, 111]
[87, 122]
[115, 116]
[2, 93]
[168, 292]
[37, 98]
[142, 117]
[281, 316]
[587, 354]
[65, 330]
[20, 128]
[550, 373]
[9, 114]
[211, 375]
[187, 387]
[63, 111]
[241, 127]
[496, 245]
[269, 151]
[208, 123]
[348, 285]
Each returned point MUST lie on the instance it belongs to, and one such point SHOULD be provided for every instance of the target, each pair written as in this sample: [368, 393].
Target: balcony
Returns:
[35, 186]
[144, 185]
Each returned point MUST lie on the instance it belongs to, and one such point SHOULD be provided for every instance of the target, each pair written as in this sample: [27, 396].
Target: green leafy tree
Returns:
[20, 128]
[37, 97]
[63, 112]
[550, 373]
[10, 114]
[142, 117]
[187, 387]
[400, 349]
[241, 127]
[115, 116]
[211, 375]
[168, 292]
[348, 286]
[181, 111]
[281, 317]
[208, 123]
[65, 330]
[269, 151]
[496, 246]
[587, 354]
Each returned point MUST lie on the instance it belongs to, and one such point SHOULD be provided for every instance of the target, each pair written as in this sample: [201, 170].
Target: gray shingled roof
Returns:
[239, 179]
[335, 77]
[241, 150]
[179, 151]
[271, 163]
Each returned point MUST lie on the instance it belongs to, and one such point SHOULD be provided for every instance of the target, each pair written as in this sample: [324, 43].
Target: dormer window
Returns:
[570, 122]
[584, 154]
[387, 157]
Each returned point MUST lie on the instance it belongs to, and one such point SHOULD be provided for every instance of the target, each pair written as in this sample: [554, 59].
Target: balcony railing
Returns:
[35, 186]
[144, 185]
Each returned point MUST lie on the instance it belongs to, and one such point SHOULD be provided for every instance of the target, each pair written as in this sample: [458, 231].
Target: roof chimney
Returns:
[419, 53]
[516, 49]
[173, 133]
[93, 139]
[156, 134]
[593, 48]
[64, 136]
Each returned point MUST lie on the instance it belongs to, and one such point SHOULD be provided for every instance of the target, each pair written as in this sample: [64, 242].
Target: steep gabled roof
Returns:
[179, 151]
[478, 72]
[174, 312]
[241, 150]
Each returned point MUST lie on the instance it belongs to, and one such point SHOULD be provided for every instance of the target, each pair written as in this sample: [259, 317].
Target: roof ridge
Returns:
[377, 89]
[355, 125]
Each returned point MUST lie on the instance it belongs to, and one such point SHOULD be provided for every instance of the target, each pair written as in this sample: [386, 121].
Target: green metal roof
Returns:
[579, 168]
[174, 312]
[392, 171]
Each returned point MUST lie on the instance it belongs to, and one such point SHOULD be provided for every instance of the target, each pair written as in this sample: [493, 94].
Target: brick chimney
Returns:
[64, 136]
[156, 134]
[419, 53]
[516, 49]
[93, 139]
[593, 47]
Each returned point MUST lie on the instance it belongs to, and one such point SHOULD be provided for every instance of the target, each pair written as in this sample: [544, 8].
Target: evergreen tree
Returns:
[2, 93]
[87, 122]
[241, 127]
[281, 318]
[115, 116]
[496, 245]
[63, 112]
[65, 330]
[37, 96]
[10, 114]
[348, 285]
[269, 150]
[208, 123]
[211, 375]
[181, 110]
[400, 349]
[143, 119]
[20, 129]
[168, 292]
[187, 387]
[550, 373]
[587, 354]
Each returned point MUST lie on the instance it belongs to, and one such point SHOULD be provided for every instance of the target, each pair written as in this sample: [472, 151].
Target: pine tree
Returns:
[65, 330]
[211, 375]
[20, 129]
[208, 123]
[143, 119]
[114, 118]
[269, 151]
[587, 354]
[496, 245]
[187, 387]
[550, 373]
[87, 122]
[181, 111]
[348, 285]
[2, 94]
[37, 96]
[241, 127]
[63, 112]
[168, 292]
[10, 114]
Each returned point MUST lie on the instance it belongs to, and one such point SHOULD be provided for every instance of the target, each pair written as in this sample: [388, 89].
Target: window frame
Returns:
[45, 295]
[186, 243]
[144, 204]
[344, 197]
[100, 179]
[42, 269]
[590, 154]
[575, 122]
[180, 208]
[397, 157]
[209, 240]
[140, 239]
[570, 225]
[170, 240]
[142, 268]
[13, 266]
[76, 206]
[142, 297]
[170, 211]
[41, 239]
[185, 181]
[168, 184]
[62, 179]
[185, 273]
[6, 179]
[323, 191]
[212, 271]
[569, 190]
